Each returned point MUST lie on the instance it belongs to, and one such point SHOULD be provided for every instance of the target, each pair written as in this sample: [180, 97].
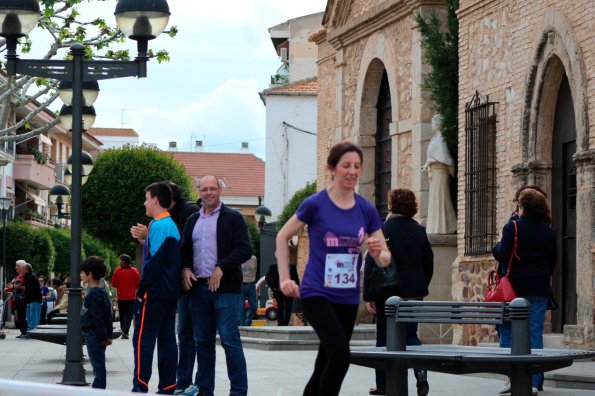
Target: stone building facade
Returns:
[532, 67]
[536, 63]
[369, 92]
[362, 42]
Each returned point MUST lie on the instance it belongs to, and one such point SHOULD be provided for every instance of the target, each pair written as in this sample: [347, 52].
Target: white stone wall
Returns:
[302, 53]
[290, 154]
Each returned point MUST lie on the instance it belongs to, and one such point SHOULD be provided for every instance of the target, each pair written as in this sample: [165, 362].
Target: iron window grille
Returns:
[480, 175]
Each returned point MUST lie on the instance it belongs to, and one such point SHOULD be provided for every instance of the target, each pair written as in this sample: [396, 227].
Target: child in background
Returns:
[96, 318]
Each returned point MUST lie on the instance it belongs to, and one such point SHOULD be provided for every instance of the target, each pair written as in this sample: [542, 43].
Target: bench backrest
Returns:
[448, 312]
[399, 312]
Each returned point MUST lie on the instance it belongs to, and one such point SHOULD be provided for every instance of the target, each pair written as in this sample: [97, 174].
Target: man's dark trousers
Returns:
[154, 321]
[125, 309]
[21, 310]
[187, 346]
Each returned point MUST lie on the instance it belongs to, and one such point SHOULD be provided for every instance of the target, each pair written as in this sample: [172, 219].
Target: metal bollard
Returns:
[396, 372]
[520, 378]
[393, 341]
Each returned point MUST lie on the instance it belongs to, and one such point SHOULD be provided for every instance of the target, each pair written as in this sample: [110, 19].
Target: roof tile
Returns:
[243, 172]
[303, 87]
[124, 132]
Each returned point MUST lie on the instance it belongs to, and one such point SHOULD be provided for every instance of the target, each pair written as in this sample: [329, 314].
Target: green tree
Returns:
[114, 194]
[254, 235]
[61, 241]
[94, 247]
[441, 52]
[294, 203]
[64, 26]
[33, 245]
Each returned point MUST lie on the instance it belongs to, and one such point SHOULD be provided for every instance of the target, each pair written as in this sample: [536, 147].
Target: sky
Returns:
[221, 59]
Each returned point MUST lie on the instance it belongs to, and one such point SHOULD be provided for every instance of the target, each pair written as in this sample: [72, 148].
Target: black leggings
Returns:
[333, 324]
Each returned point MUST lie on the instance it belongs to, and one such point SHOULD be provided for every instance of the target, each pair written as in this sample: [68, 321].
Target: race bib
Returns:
[340, 271]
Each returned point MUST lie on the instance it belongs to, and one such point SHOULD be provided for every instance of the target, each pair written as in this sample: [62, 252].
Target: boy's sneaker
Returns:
[423, 388]
[125, 337]
[191, 391]
[505, 389]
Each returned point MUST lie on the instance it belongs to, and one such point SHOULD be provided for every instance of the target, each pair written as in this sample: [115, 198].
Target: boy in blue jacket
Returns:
[96, 318]
[157, 295]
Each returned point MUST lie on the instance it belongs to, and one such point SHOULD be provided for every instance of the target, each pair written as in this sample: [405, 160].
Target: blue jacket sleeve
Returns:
[503, 249]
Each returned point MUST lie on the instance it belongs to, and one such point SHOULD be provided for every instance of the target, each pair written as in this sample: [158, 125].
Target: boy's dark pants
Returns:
[96, 351]
[154, 321]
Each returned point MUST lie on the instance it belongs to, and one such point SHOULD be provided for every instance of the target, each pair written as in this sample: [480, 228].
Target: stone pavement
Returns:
[275, 373]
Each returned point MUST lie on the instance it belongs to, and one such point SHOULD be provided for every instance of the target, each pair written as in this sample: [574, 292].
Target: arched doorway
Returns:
[383, 155]
[564, 207]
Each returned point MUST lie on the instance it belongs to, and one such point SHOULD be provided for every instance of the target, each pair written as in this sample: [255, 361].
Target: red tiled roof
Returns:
[243, 173]
[303, 87]
[124, 132]
[317, 35]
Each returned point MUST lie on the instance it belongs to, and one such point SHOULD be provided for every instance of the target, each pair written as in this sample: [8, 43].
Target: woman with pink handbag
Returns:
[531, 267]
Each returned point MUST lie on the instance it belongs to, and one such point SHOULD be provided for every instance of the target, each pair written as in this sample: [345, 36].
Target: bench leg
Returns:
[396, 380]
[520, 382]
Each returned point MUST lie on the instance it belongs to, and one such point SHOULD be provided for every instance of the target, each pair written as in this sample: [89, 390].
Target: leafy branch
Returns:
[65, 26]
[441, 52]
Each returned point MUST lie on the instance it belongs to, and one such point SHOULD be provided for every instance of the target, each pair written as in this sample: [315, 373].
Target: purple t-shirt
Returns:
[333, 230]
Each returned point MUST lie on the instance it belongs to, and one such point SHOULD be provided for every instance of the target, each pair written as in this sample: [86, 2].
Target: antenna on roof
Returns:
[122, 115]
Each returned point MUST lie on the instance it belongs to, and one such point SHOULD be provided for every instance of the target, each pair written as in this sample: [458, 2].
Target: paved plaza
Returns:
[274, 373]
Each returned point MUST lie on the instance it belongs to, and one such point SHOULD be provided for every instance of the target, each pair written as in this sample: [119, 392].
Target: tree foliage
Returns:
[94, 247]
[295, 201]
[64, 25]
[61, 241]
[441, 52]
[114, 194]
[254, 235]
[48, 249]
[33, 245]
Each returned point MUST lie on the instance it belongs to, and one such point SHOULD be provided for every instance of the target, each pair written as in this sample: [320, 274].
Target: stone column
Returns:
[583, 333]
[445, 253]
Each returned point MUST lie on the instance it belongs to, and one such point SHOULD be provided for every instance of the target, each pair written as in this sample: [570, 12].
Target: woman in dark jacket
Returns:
[532, 265]
[412, 253]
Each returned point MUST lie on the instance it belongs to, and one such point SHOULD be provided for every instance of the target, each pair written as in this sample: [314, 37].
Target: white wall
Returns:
[303, 54]
[290, 154]
[116, 141]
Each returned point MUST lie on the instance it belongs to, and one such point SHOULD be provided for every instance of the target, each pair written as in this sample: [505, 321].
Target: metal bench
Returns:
[519, 361]
[56, 334]
[59, 319]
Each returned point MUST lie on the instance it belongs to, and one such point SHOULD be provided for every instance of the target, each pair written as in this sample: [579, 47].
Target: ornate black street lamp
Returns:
[140, 20]
[5, 203]
[60, 196]
[263, 215]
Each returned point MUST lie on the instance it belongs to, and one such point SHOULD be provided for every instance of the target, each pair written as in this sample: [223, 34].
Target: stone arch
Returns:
[378, 56]
[550, 62]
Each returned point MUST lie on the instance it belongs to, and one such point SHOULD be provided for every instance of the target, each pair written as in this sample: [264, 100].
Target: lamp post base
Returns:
[74, 374]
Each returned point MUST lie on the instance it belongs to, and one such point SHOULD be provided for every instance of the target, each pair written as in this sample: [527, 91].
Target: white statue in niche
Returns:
[440, 167]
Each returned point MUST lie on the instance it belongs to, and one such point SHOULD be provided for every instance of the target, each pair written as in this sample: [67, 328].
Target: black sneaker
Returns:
[423, 388]
[376, 391]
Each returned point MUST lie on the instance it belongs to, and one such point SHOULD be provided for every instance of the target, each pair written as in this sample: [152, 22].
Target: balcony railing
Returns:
[7, 150]
[7, 147]
[38, 175]
[60, 166]
[277, 79]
